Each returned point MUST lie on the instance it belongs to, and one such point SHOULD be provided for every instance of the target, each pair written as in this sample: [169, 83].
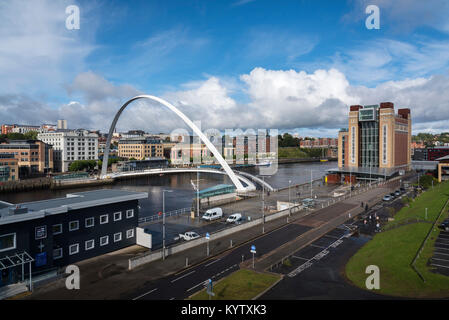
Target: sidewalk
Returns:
[107, 277]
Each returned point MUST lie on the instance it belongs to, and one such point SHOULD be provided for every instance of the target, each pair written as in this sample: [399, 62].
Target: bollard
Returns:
[231, 244]
[187, 262]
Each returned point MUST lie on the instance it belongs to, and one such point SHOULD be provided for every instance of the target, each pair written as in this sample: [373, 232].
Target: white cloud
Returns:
[36, 46]
[312, 103]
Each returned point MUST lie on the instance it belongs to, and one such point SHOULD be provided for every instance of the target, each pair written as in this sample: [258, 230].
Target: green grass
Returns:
[291, 152]
[241, 285]
[393, 251]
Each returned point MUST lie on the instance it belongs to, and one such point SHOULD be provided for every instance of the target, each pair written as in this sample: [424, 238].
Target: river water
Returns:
[180, 184]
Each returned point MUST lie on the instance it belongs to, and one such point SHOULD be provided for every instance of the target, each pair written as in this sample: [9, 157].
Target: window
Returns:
[57, 229]
[90, 222]
[74, 249]
[74, 225]
[57, 253]
[104, 240]
[117, 237]
[130, 213]
[7, 242]
[90, 244]
[129, 233]
[104, 219]
[117, 216]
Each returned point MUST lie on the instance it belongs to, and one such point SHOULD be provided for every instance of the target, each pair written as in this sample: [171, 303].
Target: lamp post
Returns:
[163, 222]
[198, 193]
[289, 205]
[263, 204]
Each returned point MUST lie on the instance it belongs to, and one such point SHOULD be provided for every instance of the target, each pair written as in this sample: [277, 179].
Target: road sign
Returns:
[207, 236]
[253, 249]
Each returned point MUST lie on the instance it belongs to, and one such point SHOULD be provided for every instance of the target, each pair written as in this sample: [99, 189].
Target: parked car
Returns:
[212, 214]
[397, 193]
[392, 195]
[234, 218]
[387, 197]
[189, 235]
[402, 189]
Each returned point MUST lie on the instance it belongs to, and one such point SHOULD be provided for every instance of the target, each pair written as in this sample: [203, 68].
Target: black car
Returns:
[402, 189]
[445, 225]
[397, 193]
[392, 195]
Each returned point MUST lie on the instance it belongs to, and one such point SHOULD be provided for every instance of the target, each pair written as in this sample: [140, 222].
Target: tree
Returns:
[31, 135]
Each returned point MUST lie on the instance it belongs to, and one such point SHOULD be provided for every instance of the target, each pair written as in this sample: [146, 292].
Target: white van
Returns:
[234, 218]
[212, 214]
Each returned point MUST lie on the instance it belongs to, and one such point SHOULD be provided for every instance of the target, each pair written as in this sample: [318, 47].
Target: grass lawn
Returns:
[241, 285]
[393, 251]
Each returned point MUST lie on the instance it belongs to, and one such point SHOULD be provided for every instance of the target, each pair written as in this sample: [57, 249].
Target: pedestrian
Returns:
[361, 204]
[366, 207]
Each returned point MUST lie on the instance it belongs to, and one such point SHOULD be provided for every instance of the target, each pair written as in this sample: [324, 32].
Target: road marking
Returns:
[441, 248]
[443, 244]
[182, 276]
[314, 245]
[202, 282]
[440, 259]
[144, 294]
[443, 254]
[172, 299]
[300, 258]
[211, 263]
[438, 265]
[326, 235]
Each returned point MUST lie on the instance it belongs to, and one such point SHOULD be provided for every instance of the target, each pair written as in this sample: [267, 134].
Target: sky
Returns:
[263, 64]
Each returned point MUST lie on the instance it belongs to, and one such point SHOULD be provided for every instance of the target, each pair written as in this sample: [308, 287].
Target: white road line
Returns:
[172, 299]
[438, 265]
[183, 276]
[144, 294]
[211, 263]
[443, 254]
[442, 243]
[314, 245]
[326, 235]
[441, 248]
[201, 283]
[300, 258]
[440, 259]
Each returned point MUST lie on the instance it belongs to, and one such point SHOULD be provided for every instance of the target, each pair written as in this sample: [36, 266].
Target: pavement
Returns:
[182, 274]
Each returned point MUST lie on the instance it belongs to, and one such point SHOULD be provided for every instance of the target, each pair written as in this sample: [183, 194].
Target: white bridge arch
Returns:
[207, 142]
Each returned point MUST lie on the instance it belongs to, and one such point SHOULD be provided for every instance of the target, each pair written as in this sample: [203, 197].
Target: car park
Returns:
[234, 218]
[212, 214]
[445, 225]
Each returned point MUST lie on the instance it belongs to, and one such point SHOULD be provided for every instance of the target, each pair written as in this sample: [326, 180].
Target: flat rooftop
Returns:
[72, 201]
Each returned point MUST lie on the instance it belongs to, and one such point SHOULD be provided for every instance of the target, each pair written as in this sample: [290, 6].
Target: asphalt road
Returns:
[182, 285]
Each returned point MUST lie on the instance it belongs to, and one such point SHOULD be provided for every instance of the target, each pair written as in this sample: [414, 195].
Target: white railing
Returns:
[173, 213]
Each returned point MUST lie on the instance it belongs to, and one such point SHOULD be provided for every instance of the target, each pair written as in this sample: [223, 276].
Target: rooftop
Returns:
[73, 201]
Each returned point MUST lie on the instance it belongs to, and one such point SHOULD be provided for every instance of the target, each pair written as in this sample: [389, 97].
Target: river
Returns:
[180, 184]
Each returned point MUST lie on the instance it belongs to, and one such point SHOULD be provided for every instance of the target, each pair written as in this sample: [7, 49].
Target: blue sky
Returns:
[292, 65]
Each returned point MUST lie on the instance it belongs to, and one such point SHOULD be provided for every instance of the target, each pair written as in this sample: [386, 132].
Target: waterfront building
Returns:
[25, 129]
[136, 165]
[71, 145]
[58, 232]
[140, 148]
[34, 157]
[377, 141]
[9, 168]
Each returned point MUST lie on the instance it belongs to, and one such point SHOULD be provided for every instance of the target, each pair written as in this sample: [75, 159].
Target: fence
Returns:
[173, 213]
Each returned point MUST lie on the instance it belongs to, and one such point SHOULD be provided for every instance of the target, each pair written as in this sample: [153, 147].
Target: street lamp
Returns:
[163, 222]
[289, 204]
[311, 183]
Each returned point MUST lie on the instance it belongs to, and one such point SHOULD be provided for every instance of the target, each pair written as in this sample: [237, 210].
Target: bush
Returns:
[426, 181]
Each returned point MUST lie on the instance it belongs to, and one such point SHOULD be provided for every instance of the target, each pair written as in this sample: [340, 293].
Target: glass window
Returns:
[104, 240]
[57, 253]
[130, 213]
[57, 229]
[74, 225]
[74, 248]
[117, 216]
[89, 244]
[104, 219]
[129, 233]
[90, 222]
[7, 242]
[117, 237]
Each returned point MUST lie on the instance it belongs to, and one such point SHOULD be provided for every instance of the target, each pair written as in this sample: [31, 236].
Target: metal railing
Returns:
[158, 217]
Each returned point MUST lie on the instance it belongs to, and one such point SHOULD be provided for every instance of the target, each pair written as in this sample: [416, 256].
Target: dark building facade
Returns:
[437, 152]
[63, 231]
